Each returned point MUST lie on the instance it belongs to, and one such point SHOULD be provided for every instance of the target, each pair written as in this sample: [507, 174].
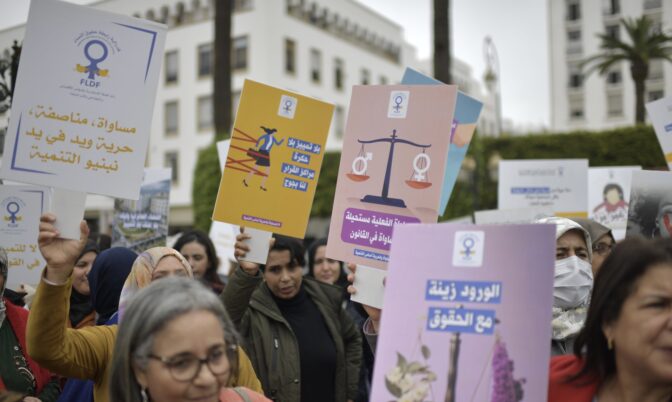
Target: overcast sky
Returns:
[518, 29]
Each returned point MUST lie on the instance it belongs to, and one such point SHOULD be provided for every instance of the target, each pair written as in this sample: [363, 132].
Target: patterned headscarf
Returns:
[142, 270]
[4, 269]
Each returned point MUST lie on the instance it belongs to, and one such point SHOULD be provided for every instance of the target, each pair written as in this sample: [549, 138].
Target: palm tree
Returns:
[222, 75]
[644, 43]
[442, 41]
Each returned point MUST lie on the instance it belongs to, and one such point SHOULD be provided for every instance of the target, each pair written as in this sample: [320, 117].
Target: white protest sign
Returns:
[558, 184]
[84, 98]
[609, 195]
[660, 113]
[511, 216]
[20, 210]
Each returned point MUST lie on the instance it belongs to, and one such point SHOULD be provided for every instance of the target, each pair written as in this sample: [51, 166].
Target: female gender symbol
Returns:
[93, 67]
[419, 169]
[12, 214]
[397, 101]
[288, 105]
[468, 244]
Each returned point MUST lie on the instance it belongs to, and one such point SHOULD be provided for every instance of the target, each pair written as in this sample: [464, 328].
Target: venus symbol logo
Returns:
[468, 248]
[95, 51]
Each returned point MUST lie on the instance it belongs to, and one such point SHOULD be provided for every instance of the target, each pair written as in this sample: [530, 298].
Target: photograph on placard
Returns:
[650, 213]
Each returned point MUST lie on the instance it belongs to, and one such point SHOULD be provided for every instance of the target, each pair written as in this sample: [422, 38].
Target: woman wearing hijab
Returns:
[106, 279]
[81, 310]
[18, 372]
[572, 283]
[602, 238]
[87, 352]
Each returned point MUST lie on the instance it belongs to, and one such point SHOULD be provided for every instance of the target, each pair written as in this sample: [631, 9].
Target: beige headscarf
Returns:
[142, 270]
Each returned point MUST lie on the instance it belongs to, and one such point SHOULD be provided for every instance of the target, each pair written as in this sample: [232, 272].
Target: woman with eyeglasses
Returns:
[157, 357]
[603, 241]
[86, 353]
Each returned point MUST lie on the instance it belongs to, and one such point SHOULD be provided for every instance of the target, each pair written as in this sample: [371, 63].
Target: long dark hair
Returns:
[614, 283]
[312, 250]
[210, 277]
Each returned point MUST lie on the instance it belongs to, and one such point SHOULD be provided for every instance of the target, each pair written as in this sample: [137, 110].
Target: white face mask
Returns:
[573, 282]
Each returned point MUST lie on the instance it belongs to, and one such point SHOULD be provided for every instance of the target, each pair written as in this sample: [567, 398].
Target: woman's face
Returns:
[571, 244]
[175, 349]
[80, 281]
[196, 254]
[325, 269]
[642, 334]
[168, 266]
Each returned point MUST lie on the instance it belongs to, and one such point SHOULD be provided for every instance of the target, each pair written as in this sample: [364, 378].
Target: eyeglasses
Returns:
[602, 248]
[186, 367]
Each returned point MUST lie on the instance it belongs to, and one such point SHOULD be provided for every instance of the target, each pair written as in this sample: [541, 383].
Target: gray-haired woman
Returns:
[171, 330]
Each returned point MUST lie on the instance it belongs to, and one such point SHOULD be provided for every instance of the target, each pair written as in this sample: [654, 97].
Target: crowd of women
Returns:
[112, 325]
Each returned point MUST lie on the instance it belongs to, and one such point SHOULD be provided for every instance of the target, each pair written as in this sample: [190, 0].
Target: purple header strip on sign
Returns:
[370, 228]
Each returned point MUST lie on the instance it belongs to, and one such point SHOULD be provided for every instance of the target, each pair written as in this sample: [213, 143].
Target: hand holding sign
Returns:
[60, 254]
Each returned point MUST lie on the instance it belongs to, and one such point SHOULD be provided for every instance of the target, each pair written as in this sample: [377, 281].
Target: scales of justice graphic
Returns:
[419, 178]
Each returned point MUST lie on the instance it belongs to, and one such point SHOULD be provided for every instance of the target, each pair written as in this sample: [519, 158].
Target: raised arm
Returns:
[68, 352]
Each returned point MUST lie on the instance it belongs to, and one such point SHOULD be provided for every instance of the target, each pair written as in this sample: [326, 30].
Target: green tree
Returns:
[643, 43]
[442, 62]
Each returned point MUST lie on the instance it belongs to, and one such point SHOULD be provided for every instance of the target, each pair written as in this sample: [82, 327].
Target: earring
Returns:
[143, 395]
[610, 344]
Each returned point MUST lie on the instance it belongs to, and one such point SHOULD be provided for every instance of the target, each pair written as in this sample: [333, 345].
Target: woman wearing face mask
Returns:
[572, 283]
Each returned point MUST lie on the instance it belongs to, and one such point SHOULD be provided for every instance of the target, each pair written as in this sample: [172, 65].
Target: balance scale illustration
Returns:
[418, 180]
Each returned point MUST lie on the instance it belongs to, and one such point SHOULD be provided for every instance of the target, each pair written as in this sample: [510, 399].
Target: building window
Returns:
[315, 65]
[366, 77]
[338, 73]
[290, 56]
[614, 77]
[574, 35]
[339, 121]
[655, 95]
[383, 80]
[575, 80]
[652, 4]
[204, 111]
[205, 61]
[171, 160]
[656, 69]
[242, 5]
[170, 116]
[612, 7]
[171, 67]
[612, 31]
[240, 45]
[615, 105]
[573, 10]
[576, 109]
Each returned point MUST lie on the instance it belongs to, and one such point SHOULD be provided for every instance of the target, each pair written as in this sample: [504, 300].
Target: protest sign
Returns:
[392, 167]
[660, 113]
[467, 111]
[559, 184]
[274, 160]
[223, 235]
[452, 328]
[609, 196]
[514, 216]
[20, 209]
[83, 102]
[143, 223]
[650, 212]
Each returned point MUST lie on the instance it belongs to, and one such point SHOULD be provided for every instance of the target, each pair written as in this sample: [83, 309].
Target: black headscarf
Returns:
[107, 278]
[80, 305]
